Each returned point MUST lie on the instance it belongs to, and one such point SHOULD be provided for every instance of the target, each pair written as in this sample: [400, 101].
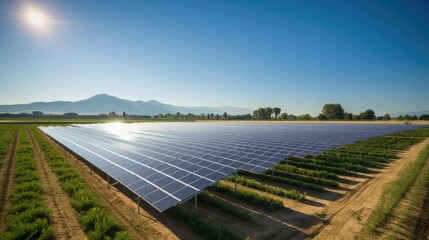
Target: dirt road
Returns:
[345, 218]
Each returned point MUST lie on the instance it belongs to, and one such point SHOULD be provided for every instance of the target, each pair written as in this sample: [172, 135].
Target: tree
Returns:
[37, 113]
[333, 111]
[368, 115]
[304, 117]
[356, 117]
[70, 114]
[348, 116]
[424, 117]
[283, 116]
[387, 117]
[225, 115]
[277, 111]
[211, 115]
[262, 113]
[178, 114]
[217, 116]
[269, 112]
[322, 117]
[255, 114]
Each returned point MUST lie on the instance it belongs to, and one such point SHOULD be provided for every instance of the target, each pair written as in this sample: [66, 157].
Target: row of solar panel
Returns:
[166, 164]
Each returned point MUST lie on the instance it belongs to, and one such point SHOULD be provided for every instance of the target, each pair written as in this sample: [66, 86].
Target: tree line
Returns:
[330, 111]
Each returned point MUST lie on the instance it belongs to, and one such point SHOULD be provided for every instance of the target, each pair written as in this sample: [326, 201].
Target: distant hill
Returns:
[396, 114]
[103, 103]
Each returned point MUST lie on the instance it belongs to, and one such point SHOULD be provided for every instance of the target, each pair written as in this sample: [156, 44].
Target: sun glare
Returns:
[36, 19]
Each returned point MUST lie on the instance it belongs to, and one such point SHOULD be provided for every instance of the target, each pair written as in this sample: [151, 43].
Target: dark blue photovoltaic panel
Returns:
[167, 163]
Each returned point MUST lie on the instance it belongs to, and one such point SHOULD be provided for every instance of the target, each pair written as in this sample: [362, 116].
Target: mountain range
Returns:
[103, 103]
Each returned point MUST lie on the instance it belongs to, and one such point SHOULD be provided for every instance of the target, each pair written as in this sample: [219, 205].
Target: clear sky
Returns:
[297, 55]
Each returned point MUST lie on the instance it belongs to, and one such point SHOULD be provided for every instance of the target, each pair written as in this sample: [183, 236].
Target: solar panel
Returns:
[167, 163]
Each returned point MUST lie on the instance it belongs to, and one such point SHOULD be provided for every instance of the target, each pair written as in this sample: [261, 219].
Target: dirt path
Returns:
[62, 215]
[345, 218]
[144, 225]
[6, 178]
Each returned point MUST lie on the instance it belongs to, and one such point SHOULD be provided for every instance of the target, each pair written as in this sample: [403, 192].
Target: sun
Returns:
[36, 19]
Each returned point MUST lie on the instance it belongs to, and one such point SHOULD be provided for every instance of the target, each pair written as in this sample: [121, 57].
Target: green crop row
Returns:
[420, 132]
[341, 159]
[292, 194]
[7, 133]
[392, 143]
[28, 217]
[316, 181]
[292, 182]
[307, 172]
[250, 196]
[326, 165]
[223, 205]
[204, 227]
[91, 214]
[394, 193]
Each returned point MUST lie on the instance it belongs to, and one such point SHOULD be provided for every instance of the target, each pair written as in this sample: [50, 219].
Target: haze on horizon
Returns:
[292, 54]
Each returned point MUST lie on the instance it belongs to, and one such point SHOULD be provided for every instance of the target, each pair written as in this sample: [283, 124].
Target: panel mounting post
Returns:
[108, 181]
[236, 180]
[287, 165]
[138, 205]
[196, 202]
[272, 171]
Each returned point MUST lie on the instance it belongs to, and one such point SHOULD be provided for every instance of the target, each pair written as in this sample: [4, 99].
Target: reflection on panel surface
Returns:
[167, 163]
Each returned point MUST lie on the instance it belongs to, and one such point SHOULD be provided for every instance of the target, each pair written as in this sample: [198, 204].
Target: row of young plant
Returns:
[296, 183]
[253, 197]
[394, 192]
[322, 170]
[92, 216]
[419, 133]
[303, 178]
[204, 227]
[221, 204]
[6, 137]
[325, 165]
[28, 217]
[307, 172]
[251, 183]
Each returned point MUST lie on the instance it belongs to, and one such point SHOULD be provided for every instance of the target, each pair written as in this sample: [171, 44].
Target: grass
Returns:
[394, 192]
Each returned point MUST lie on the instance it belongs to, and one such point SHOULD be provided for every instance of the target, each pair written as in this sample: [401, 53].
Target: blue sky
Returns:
[297, 55]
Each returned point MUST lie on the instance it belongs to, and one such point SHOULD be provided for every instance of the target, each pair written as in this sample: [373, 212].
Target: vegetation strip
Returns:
[292, 194]
[91, 214]
[393, 194]
[28, 218]
[7, 133]
[250, 196]
[204, 227]
[223, 205]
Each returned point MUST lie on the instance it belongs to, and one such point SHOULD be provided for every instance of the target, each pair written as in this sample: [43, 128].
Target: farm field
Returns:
[325, 196]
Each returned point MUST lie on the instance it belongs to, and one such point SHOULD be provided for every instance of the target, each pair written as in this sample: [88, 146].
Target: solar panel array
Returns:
[168, 163]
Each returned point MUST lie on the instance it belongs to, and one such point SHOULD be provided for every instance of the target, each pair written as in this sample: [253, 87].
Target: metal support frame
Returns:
[236, 180]
[196, 203]
[287, 164]
[138, 205]
[108, 181]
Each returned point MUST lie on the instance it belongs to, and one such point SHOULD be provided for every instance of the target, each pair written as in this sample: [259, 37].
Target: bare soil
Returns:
[7, 178]
[63, 217]
[345, 218]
